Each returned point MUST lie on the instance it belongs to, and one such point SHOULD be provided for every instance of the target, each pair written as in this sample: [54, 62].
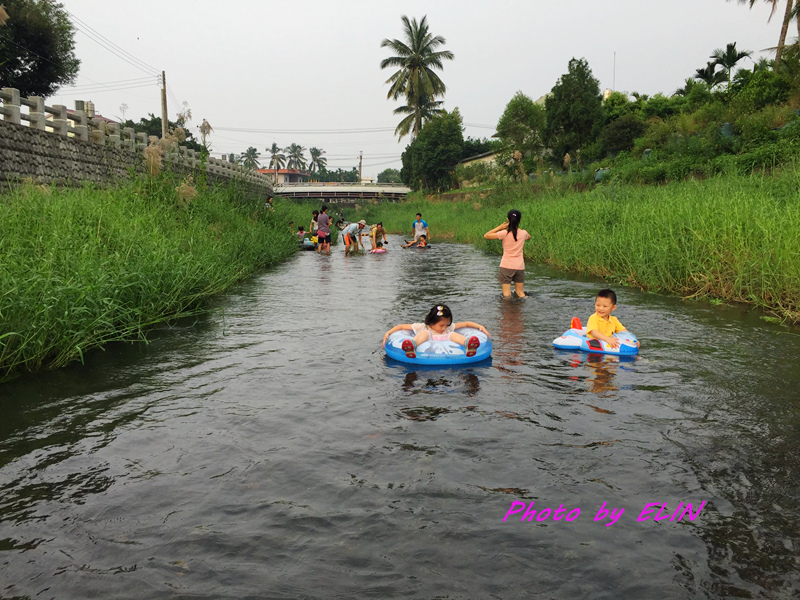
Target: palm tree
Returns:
[250, 158]
[295, 158]
[416, 59]
[795, 14]
[276, 158]
[710, 75]
[728, 58]
[318, 162]
[428, 108]
[687, 87]
[788, 15]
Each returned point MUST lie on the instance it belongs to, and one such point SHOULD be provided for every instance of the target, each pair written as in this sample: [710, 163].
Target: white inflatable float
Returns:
[575, 339]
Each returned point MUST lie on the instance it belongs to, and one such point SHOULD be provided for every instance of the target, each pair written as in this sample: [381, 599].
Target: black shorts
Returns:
[326, 239]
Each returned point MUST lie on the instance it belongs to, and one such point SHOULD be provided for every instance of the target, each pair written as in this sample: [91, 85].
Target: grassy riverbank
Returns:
[732, 238]
[84, 267]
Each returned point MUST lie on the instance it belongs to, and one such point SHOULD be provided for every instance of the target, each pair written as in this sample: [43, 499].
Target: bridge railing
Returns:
[82, 125]
[339, 184]
[78, 123]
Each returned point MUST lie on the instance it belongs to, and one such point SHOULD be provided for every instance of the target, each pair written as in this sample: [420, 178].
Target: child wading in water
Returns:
[438, 326]
[512, 265]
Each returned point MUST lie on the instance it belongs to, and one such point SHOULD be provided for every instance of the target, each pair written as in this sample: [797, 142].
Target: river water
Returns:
[269, 450]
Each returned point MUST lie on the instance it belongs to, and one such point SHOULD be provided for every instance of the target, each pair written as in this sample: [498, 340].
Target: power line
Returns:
[173, 96]
[32, 52]
[71, 86]
[89, 89]
[306, 131]
[378, 164]
[117, 82]
[104, 42]
[102, 90]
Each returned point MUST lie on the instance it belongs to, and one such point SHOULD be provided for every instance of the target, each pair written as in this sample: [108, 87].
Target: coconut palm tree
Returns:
[710, 75]
[250, 158]
[318, 162]
[728, 58]
[416, 58]
[788, 15]
[295, 158]
[428, 108]
[277, 159]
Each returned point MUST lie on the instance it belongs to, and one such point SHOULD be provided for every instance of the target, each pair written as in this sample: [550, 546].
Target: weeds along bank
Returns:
[83, 267]
[732, 237]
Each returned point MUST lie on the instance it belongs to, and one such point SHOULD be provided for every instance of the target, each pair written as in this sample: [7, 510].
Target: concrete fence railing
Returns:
[80, 125]
[340, 184]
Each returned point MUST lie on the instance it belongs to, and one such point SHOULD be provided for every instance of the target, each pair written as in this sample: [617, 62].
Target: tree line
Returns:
[575, 125]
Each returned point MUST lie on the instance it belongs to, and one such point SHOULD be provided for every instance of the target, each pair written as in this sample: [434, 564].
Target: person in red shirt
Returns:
[512, 265]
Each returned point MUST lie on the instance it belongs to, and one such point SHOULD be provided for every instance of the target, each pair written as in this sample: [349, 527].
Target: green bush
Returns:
[657, 135]
[620, 134]
[662, 107]
[479, 173]
[764, 88]
[762, 126]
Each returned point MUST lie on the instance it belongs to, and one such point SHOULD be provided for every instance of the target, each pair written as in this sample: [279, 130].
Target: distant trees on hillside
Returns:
[429, 162]
[389, 176]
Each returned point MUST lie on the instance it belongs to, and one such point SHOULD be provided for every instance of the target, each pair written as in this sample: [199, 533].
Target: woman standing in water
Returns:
[512, 265]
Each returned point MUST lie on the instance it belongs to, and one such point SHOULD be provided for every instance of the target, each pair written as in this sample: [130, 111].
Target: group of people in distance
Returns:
[438, 323]
[321, 227]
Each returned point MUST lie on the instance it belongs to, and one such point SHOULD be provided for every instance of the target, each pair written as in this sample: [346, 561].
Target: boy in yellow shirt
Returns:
[601, 325]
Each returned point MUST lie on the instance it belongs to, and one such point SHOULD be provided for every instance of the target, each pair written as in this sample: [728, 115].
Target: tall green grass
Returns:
[84, 267]
[731, 237]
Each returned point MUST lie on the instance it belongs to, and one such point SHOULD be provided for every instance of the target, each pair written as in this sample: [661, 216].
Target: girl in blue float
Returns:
[438, 326]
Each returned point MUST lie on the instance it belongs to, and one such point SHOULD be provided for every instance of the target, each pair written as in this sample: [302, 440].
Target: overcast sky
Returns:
[308, 72]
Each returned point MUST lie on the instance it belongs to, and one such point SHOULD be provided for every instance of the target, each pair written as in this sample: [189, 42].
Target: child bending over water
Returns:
[438, 326]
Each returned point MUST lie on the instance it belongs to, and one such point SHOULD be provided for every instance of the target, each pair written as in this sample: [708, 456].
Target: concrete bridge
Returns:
[344, 193]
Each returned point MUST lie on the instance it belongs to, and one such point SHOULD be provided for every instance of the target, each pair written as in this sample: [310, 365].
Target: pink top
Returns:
[512, 249]
[434, 337]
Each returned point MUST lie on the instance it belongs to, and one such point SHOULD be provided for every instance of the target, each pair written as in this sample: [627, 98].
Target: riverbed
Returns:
[269, 449]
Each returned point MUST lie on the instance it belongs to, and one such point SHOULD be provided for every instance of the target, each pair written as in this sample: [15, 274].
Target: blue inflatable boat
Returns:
[439, 353]
[575, 339]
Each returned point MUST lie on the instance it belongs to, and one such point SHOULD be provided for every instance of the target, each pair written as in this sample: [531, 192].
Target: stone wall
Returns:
[73, 148]
[48, 158]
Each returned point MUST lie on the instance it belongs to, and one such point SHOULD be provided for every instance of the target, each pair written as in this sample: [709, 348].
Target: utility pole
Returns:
[614, 80]
[164, 120]
[360, 156]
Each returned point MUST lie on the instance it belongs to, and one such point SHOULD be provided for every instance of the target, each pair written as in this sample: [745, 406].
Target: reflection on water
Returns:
[270, 449]
[442, 381]
[511, 330]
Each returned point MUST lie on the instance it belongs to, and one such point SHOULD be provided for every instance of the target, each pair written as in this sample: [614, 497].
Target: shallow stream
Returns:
[269, 450]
